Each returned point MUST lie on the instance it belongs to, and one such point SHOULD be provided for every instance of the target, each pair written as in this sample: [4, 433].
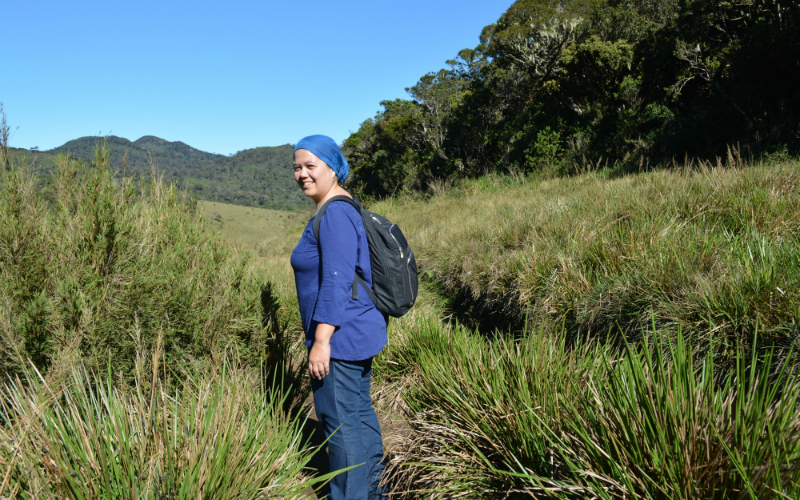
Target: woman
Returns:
[342, 334]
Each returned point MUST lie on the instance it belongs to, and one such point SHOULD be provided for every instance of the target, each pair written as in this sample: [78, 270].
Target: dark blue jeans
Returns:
[343, 405]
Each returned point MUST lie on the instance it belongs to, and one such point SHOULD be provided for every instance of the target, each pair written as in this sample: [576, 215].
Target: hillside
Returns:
[261, 230]
[691, 250]
[171, 157]
[258, 177]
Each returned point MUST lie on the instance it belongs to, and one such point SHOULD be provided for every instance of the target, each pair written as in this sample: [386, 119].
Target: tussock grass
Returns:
[74, 434]
[523, 418]
[711, 250]
[665, 429]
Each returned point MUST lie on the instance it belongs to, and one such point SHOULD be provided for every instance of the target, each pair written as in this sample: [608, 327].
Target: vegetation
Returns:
[530, 417]
[695, 405]
[712, 250]
[611, 333]
[107, 267]
[256, 177]
[142, 355]
[557, 85]
[701, 402]
[259, 229]
[74, 434]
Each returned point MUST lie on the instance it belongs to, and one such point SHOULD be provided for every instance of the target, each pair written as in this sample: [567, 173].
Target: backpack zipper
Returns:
[399, 248]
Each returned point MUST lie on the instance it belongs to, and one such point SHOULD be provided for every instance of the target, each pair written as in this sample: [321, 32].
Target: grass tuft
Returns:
[84, 436]
[531, 417]
[710, 250]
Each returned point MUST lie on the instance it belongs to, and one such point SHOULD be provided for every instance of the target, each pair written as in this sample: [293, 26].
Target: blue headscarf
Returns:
[326, 150]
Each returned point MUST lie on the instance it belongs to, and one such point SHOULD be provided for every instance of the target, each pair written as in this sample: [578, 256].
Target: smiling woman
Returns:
[315, 178]
[344, 330]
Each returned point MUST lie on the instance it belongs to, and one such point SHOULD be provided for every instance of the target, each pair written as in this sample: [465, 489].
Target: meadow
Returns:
[646, 342]
[596, 336]
[599, 336]
[260, 230]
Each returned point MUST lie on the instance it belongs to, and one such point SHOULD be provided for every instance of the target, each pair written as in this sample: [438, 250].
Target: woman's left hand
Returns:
[319, 359]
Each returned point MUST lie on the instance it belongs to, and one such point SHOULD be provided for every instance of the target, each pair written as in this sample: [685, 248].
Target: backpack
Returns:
[394, 269]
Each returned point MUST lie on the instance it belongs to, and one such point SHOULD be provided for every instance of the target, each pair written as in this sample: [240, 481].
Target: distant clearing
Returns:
[257, 228]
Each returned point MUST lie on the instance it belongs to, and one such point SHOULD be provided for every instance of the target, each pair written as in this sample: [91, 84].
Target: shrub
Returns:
[105, 265]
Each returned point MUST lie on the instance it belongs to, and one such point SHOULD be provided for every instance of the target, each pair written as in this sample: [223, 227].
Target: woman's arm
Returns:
[320, 356]
[338, 242]
[338, 249]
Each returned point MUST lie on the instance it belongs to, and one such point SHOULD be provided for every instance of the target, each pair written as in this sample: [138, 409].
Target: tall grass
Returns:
[530, 418]
[106, 265]
[700, 264]
[132, 339]
[82, 436]
[657, 429]
[711, 250]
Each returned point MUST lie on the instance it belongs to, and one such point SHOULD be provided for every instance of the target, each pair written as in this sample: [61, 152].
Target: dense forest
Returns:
[561, 85]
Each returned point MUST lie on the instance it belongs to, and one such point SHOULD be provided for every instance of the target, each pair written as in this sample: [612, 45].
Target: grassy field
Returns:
[697, 266]
[129, 303]
[712, 250]
[698, 262]
[259, 229]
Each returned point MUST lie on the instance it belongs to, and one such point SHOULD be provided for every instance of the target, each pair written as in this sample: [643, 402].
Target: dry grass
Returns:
[707, 249]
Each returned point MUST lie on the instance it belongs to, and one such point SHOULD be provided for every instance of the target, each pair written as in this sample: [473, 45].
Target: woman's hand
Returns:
[319, 359]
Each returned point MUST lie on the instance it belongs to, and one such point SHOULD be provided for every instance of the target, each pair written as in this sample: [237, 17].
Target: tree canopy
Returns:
[555, 84]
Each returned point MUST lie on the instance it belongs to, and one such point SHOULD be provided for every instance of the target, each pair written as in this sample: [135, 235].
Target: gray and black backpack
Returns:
[394, 269]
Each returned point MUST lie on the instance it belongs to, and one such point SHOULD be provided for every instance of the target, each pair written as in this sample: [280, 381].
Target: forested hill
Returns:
[565, 85]
[171, 157]
[258, 177]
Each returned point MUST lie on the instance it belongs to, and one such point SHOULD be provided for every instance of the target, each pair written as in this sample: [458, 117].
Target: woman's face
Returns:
[313, 175]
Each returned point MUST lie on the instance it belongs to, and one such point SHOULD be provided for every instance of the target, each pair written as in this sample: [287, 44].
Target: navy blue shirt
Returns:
[324, 271]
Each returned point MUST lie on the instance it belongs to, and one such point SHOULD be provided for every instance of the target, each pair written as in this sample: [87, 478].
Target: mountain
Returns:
[258, 177]
[170, 157]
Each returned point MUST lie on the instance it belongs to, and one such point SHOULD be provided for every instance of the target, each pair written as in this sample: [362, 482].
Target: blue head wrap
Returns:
[326, 150]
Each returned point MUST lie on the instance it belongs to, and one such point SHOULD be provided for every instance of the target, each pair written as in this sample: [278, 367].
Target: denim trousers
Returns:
[344, 408]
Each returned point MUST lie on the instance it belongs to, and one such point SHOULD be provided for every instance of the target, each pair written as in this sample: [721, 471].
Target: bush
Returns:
[103, 266]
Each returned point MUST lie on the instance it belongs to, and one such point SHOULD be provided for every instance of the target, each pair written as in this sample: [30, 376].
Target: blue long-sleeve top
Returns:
[324, 271]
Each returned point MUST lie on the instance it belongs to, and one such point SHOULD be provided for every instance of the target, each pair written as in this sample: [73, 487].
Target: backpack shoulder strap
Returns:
[317, 220]
[324, 207]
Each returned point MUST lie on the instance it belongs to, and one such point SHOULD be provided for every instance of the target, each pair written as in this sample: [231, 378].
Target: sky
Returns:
[220, 76]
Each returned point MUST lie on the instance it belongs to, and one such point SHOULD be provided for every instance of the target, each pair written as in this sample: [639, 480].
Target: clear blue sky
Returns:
[220, 76]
